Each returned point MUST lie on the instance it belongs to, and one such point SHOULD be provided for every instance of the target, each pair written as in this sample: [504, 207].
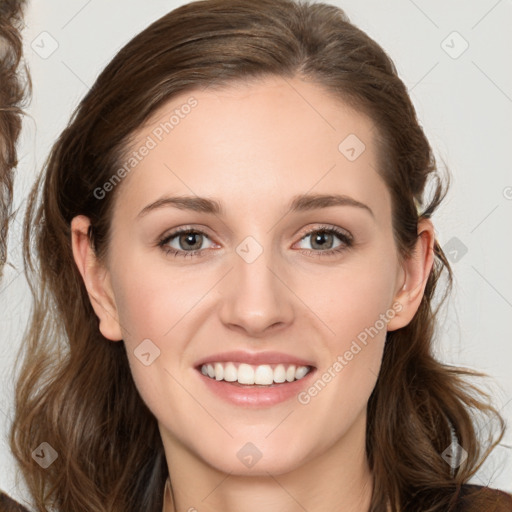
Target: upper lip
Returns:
[255, 358]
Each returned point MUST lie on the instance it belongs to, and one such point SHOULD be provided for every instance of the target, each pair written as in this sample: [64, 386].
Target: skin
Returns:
[253, 147]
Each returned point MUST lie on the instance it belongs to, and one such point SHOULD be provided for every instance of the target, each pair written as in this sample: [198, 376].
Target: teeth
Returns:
[300, 372]
[219, 371]
[230, 373]
[279, 374]
[245, 374]
[263, 374]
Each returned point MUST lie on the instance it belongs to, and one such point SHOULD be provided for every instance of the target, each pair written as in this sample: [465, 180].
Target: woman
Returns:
[283, 360]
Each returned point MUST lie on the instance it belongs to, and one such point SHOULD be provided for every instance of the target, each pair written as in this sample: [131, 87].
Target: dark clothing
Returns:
[496, 500]
[9, 505]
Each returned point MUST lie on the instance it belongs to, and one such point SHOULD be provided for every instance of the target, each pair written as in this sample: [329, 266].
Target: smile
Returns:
[246, 374]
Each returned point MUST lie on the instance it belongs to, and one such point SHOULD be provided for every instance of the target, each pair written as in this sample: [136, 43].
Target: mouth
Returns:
[256, 376]
[255, 386]
[255, 379]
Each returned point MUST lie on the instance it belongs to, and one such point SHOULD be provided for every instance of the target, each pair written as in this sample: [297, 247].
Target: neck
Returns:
[337, 479]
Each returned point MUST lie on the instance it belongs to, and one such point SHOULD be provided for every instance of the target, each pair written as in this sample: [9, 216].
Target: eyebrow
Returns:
[299, 203]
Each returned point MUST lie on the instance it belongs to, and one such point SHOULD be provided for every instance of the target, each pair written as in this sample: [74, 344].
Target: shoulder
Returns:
[494, 500]
[9, 505]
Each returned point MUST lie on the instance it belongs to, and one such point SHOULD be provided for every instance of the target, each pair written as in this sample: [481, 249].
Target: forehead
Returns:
[253, 142]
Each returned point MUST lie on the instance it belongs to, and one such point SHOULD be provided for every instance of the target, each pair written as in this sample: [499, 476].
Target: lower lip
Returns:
[255, 396]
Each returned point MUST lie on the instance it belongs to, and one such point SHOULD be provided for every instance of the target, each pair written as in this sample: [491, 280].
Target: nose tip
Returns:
[254, 325]
[255, 299]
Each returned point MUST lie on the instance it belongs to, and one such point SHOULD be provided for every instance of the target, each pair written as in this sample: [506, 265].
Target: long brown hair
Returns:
[75, 391]
[15, 87]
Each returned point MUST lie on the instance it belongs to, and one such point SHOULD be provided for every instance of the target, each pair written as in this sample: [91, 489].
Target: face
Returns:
[271, 270]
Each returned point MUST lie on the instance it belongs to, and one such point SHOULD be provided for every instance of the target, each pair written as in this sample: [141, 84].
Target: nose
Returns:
[255, 296]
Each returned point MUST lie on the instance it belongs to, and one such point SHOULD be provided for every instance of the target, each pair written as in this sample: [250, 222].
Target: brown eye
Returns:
[184, 242]
[191, 240]
[323, 241]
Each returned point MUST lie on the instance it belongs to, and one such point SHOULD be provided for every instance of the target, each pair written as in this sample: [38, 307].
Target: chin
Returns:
[250, 459]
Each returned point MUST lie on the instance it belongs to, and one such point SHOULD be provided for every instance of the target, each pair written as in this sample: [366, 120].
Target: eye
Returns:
[322, 241]
[183, 242]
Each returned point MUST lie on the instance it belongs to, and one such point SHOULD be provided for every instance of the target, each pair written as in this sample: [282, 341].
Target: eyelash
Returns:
[344, 237]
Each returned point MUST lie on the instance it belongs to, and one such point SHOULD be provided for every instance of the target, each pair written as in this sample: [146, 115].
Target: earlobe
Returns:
[96, 279]
[417, 269]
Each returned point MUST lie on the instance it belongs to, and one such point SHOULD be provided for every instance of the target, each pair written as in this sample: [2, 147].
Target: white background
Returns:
[463, 103]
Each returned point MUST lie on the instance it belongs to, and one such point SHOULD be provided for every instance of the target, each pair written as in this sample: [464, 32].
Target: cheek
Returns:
[356, 306]
[353, 297]
[157, 303]
[151, 299]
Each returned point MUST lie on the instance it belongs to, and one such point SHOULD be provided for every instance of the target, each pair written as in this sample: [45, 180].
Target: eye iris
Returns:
[189, 238]
[321, 235]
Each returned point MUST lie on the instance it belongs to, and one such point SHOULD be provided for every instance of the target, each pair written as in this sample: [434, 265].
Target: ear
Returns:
[412, 280]
[96, 279]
